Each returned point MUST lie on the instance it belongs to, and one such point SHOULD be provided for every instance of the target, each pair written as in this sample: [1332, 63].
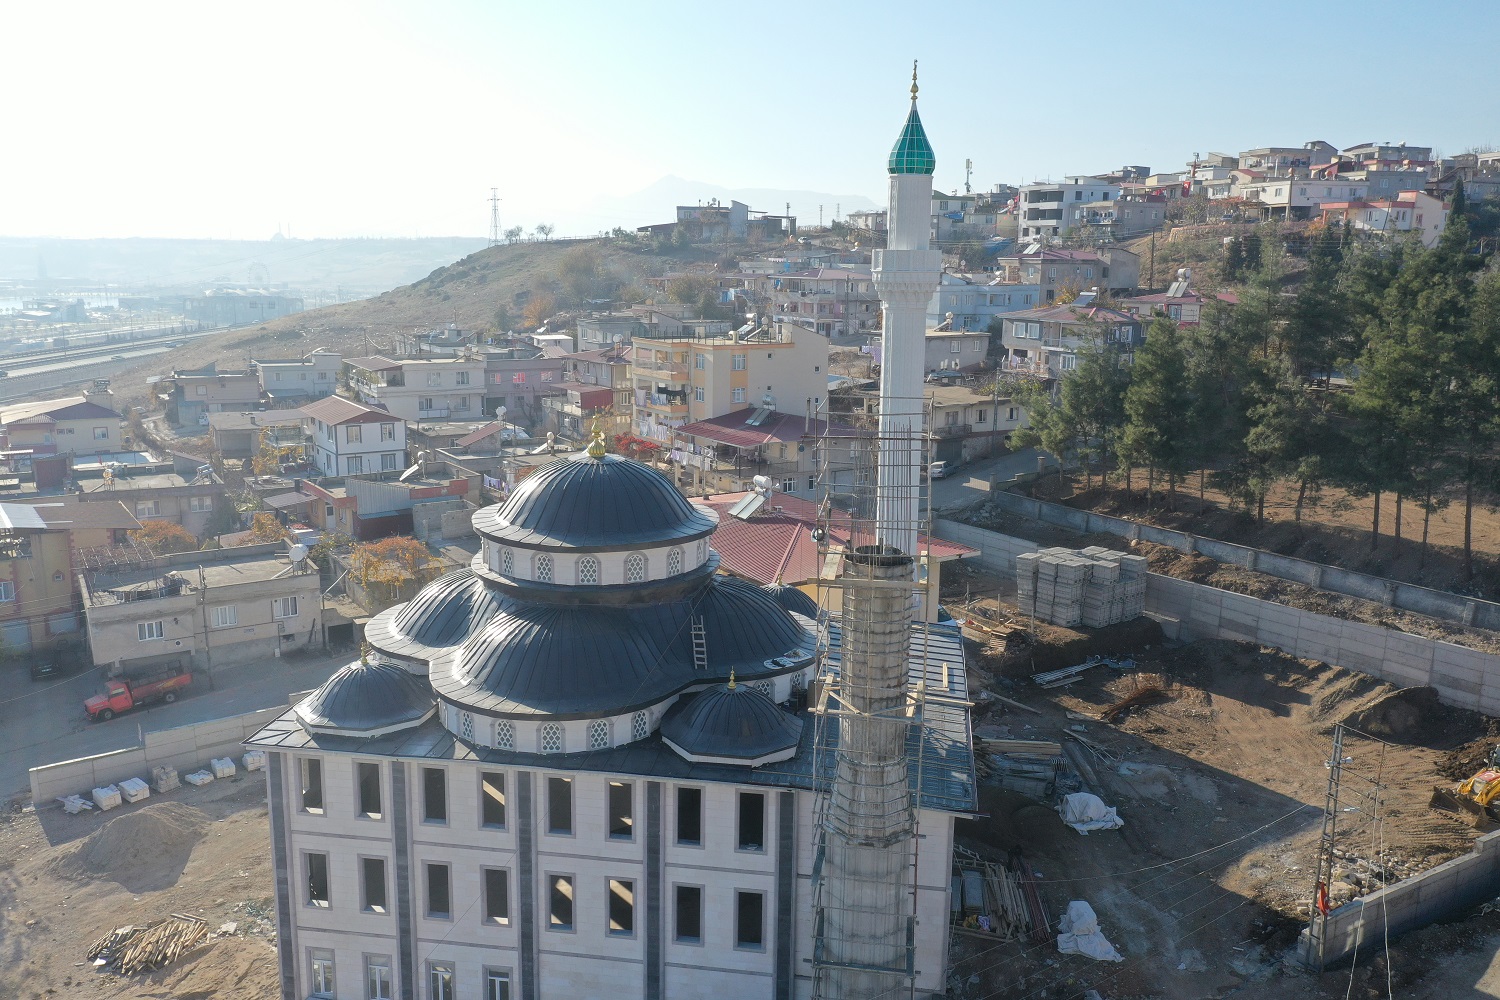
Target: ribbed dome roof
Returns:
[744, 626]
[444, 613]
[793, 599]
[588, 502]
[731, 722]
[367, 699]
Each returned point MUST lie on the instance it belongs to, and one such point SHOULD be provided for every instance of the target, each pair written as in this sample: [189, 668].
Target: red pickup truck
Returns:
[121, 694]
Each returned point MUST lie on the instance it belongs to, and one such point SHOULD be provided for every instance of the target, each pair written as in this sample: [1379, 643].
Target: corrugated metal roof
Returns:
[21, 516]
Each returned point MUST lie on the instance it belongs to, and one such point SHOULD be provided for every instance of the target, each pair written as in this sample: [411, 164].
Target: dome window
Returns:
[635, 568]
[466, 726]
[764, 687]
[598, 735]
[508, 562]
[505, 734]
[588, 570]
[543, 568]
[702, 549]
[674, 562]
[639, 728]
[552, 738]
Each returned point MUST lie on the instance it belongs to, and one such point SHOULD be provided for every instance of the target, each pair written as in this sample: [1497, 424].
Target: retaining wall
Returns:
[1394, 593]
[186, 748]
[1463, 677]
[1410, 903]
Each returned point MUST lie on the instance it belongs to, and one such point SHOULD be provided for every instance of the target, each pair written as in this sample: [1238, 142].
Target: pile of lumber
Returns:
[996, 900]
[134, 948]
[1029, 767]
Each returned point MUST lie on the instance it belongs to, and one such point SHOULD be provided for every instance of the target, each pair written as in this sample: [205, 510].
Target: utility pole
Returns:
[1317, 915]
[820, 216]
[968, 175]
[1151, 281]
[494, 217]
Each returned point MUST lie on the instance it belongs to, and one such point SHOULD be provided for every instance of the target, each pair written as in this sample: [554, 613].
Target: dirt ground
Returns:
[67, 880]
[1221, 783]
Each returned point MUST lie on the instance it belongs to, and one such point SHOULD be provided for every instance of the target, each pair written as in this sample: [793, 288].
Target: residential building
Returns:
[90, 524]
[366, 508]
[571, 414]
[690, 377]
[1298, 198]
[974, 300]
[517, 379]
[37, 606]
[311, 376]
[1283, 160]
[872, 220]
[202, 610]
[242, 435]
[75, 425]
[1045, 341]
[1390, 154]
[1112, 270]
[239, 306]
[158, 493]
[1409, 211]
[1121, 218]
[599, 331]
[830, 301]
[419, 388]
[715, 223]
[446, 342]
[350, 438]
[193, 395]
[1044, 208]
[1181, 304]
[536, 785]
[727, 452]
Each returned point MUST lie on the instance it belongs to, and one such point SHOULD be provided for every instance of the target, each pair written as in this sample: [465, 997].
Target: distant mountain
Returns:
[659, 201]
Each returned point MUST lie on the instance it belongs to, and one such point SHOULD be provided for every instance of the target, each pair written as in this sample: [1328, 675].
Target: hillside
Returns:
[469, 292]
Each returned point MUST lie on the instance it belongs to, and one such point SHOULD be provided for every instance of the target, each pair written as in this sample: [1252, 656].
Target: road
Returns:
[953, 491]
[42, 723]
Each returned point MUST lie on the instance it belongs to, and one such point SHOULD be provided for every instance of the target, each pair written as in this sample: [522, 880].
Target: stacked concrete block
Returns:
[1093, 586]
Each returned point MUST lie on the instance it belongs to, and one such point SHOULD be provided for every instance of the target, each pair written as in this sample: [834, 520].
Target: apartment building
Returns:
[828, 301]
[311, 376]
[419, 388]
[158, 493]
[518, 379]
[690, 377]
[192, 395]
[1114, 270]
[74, 425]
[1045, 208]
[974, 300]
[349, 438]
[1409, 211]
[36, 581]
[1045, 341]
[1283, 160]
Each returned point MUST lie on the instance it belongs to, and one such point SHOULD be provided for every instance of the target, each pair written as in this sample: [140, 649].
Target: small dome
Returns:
[444, 613]
[912, 153]
[731, 724]
[792, 599]
[367, 699]
[595, 503]
[744, 627]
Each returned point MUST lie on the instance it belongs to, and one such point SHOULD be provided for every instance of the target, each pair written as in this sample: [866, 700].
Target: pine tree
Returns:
[1158, 408]
[1460, 202]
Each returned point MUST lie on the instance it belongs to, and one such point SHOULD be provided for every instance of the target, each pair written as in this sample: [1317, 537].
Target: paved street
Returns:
[952, 492]
[43, 722]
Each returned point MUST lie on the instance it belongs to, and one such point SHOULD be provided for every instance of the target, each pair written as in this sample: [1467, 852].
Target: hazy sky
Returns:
[375, 118]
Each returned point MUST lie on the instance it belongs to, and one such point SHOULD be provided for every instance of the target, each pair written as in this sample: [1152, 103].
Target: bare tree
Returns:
[544, 230]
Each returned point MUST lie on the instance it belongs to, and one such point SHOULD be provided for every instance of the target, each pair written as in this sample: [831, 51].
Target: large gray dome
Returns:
[582, 502]
[792, 599]
[444, 613]
[731, 723]
[367, 699]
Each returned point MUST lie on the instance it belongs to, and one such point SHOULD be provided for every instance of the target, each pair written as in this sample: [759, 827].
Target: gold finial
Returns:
[364, 654]
[913, 79]
[731, 678]
[596, 446]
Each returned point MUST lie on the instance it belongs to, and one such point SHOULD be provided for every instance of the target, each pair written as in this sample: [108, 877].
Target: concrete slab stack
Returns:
[1093, 586]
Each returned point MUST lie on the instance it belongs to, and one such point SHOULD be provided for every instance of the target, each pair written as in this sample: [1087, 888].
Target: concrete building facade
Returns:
[350, 439]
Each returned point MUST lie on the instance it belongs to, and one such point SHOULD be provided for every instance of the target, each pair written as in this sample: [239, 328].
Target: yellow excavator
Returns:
[1479, 795]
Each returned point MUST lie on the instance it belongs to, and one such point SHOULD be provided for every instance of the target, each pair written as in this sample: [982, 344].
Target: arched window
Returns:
[639, 729]
[702, 549]
[552, 738]
[505, 734]
[543, 568]
[507, 562]
[674, 562]
[466, 726]
[764, 687]
[588, 570]
[598, 735]
[798, 681]
[635, 568]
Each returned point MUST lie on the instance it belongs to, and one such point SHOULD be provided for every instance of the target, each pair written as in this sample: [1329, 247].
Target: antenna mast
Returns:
[494, 217]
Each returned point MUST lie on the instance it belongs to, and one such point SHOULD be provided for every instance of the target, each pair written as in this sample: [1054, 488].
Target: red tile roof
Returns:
[777, 546]
[338, 410]
[731, 429]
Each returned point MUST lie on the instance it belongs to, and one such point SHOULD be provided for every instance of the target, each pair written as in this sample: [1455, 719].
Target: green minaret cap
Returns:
[912, 153]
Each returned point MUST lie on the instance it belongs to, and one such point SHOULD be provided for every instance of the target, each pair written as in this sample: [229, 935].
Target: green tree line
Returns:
[1378, 374]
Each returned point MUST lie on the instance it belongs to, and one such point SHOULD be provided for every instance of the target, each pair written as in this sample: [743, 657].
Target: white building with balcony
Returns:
[415, 389]
[352, 439]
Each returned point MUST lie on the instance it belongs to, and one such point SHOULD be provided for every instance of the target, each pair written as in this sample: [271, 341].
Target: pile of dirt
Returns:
[1415, 717]
[143, 850]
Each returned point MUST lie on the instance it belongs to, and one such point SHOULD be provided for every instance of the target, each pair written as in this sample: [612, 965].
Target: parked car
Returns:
[938, 470]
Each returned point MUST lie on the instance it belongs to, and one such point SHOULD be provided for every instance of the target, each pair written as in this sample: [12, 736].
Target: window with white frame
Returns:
[101, 433]
[439, 981]
[496, 984]
[1068, 362]
[738, 395]
[635, 568]
[145, 630]
[551, 738]
[699, 393]
[7, 591]
[789, 486]
[387, 432]
[588, 570]
[434, 378]
[388, 462]
[955, 346]
[226, 615]
[674, 562]
[737, 362]
[598, 735]
[322, 973]
[700, 361]
[353, 434]
[284, 607]
[148, 508]
[377, 977]
[460, 378]
[200, 504]
[354, 465]
[543, 568]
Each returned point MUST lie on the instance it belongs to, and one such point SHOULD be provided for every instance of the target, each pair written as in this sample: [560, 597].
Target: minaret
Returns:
[906, 273]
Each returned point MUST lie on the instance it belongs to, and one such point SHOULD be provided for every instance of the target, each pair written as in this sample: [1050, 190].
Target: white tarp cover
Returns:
[1080, 934]
[1084, 812]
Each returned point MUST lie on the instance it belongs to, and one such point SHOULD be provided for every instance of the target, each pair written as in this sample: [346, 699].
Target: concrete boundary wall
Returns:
[1408, 904]
[186, 748]
[1463, 677]
[1393, 593]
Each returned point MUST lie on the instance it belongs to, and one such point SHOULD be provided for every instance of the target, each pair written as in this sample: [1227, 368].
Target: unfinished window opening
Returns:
[492, 800]
[752, 824]
[312, 785]
[434, 795]
[560, 806]
[317, 880]
[369, 790]
[372, 874]
[689, 914]
[439, 892]
[690, 816]
[621, 822]
[560, 903]
[749, 913]
[496, 896]
[621, 907]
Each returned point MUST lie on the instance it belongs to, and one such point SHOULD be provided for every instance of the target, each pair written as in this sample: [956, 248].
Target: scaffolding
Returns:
[868, 717]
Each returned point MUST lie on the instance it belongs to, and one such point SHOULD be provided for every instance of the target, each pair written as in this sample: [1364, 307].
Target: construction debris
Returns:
[1079, 934]
[1068, 675]
[991, 899]
[1086, 813]
[164, 779]
[1029, 767]
[1146, 694]
[1093, 586]
[131, 949]
[134, 790]
[74, 804]
[107, 798]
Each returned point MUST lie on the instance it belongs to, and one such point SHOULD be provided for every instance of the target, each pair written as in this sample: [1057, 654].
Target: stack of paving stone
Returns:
[1093, 586]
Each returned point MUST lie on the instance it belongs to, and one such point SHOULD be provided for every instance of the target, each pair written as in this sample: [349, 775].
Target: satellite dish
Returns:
[550, 444]
[298, 553]
[617, 339]
[499, 413]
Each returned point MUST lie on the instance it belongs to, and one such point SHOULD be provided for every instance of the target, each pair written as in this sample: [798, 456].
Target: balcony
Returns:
[952, 430]
[436, 413]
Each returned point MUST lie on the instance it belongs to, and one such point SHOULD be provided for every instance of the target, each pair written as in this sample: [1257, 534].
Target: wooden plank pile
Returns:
[1029, 767]
[135, 948]
[995, 900]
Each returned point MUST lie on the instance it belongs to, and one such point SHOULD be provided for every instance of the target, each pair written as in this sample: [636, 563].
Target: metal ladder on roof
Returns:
[700, 645]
